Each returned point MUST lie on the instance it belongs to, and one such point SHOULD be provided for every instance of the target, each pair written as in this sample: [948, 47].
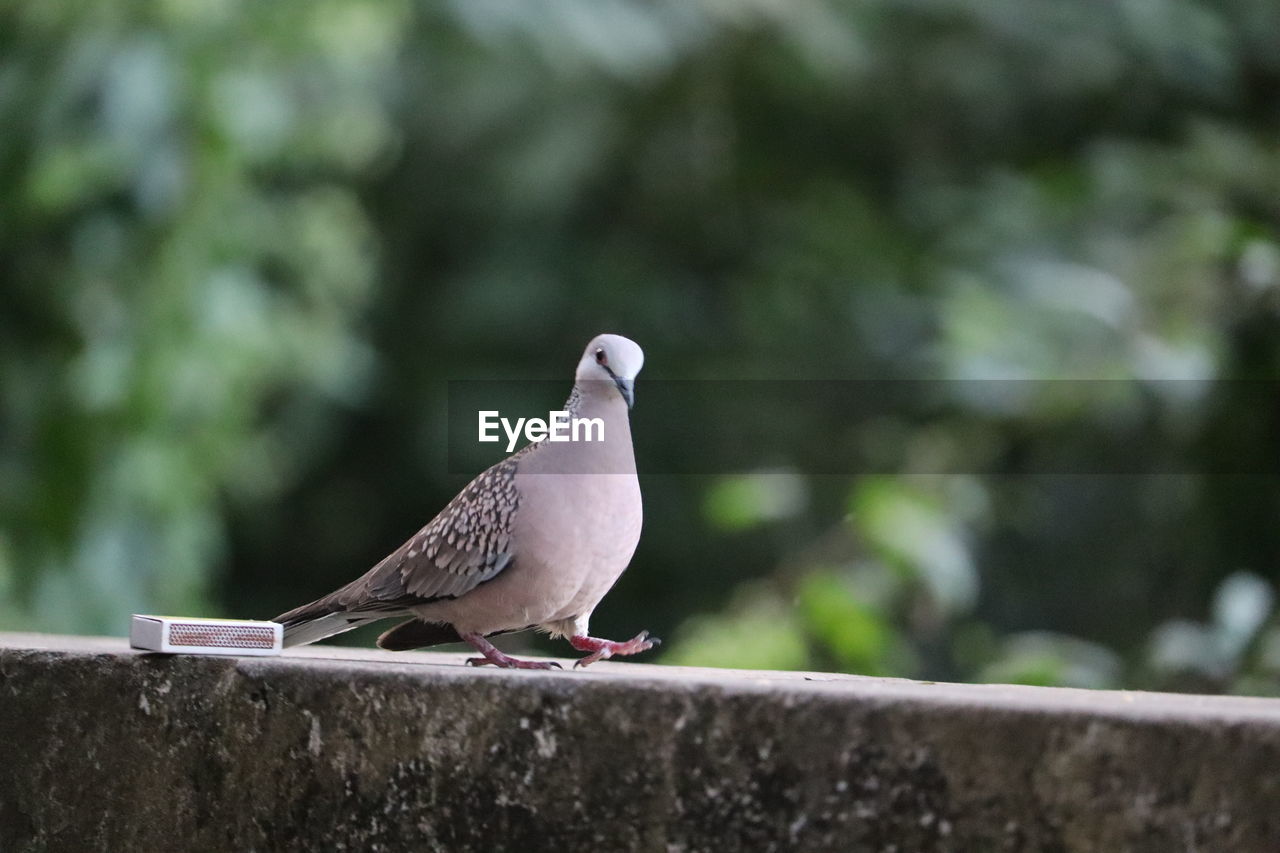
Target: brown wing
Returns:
[468, 543]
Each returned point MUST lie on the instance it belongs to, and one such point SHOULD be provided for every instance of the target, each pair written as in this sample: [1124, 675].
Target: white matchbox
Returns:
[182, 635]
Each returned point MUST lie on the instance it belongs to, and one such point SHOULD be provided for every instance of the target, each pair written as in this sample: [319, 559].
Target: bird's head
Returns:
[611, 361]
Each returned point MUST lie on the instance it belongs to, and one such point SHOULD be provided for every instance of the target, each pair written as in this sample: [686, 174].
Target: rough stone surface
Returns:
[104, 749]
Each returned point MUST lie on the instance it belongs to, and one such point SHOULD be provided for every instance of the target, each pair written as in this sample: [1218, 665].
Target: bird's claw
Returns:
[605, 649]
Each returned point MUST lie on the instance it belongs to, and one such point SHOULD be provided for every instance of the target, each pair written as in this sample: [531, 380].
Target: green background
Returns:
[244, 246]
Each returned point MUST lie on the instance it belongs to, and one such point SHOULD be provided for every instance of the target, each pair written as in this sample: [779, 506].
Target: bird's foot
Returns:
[605, 649]
[493, 657]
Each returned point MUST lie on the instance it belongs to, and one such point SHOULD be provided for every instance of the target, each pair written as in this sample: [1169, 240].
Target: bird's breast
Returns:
[592, 524]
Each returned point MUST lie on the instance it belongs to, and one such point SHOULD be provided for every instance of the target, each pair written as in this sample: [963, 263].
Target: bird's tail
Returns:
[320, 619]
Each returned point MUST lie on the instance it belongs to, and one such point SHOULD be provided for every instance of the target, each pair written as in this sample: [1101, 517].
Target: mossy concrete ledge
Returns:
[104, 749]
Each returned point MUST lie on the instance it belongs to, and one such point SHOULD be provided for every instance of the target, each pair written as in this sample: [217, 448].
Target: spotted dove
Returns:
[533, 542]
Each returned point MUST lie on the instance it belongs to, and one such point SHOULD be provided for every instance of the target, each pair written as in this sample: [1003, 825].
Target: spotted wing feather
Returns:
[467, 543]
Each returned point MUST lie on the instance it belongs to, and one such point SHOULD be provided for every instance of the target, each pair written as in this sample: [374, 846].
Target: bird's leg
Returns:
[604, 649]
[497, 658]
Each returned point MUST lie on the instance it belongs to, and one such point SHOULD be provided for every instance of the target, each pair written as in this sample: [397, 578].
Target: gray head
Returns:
[611, 362]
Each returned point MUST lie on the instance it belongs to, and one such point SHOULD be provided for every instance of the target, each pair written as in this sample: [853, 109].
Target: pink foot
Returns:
[493, 657]
[605, 649]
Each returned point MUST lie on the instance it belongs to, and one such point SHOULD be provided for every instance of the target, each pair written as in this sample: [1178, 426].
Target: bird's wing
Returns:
[467, 543]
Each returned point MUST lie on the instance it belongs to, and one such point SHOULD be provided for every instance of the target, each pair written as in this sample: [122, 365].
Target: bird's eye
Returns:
[600, 357]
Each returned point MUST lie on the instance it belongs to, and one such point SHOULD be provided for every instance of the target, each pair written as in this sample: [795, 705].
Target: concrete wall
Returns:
[102, 749]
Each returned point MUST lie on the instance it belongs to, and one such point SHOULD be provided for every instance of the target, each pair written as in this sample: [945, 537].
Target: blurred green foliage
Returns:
[243, 246]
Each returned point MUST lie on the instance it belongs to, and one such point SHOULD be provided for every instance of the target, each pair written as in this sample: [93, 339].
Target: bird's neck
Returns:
[614, 453]
[593, 399]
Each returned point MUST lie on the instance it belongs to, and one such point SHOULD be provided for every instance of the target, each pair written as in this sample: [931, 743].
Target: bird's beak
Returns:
[626, 387]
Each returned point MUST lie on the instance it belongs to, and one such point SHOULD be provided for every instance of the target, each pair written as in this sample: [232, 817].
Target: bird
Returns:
[533, 542]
